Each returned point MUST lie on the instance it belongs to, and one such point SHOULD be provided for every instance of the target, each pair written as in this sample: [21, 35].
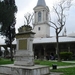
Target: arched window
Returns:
[39, 16]
[39, 28]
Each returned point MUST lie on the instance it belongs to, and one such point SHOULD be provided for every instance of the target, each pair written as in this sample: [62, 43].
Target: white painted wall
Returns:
[43, 32]
[43, 24]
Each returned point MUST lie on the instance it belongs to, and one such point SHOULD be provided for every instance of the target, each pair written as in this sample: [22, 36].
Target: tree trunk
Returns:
[57, 45]
[11, 52]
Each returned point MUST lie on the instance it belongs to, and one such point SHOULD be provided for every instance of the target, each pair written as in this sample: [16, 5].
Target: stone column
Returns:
[24, 54]
[56, 50]
[68, 48]
[44, 53]
[44, 48]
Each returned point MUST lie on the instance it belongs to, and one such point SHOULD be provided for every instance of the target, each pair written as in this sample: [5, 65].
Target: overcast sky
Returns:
[25, 6]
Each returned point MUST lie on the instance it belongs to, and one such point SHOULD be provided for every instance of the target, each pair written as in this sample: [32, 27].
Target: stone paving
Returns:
[54, 73]
[64, 66]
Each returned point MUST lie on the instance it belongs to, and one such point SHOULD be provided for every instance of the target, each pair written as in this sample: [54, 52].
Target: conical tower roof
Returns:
[41, 3]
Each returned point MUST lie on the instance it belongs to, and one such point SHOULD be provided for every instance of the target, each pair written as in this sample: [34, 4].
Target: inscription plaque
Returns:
[23, 44]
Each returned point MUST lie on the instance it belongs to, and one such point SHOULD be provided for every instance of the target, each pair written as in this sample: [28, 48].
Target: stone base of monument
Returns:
[23, 70]
[24, 58]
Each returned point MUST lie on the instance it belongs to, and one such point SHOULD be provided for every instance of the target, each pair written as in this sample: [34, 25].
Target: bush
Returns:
[65, 55]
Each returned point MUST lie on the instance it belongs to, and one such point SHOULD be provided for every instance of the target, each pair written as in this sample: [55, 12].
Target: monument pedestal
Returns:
[22, 70]
[24, 54]
[24, 58]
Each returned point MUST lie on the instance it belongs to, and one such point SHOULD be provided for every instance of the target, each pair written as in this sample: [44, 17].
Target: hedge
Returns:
[66, 55]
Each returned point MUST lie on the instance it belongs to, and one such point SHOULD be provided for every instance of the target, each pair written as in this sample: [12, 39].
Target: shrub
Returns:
[66, 55]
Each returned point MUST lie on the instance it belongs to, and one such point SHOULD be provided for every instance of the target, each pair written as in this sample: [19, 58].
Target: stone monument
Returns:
[24, 58]
[24, 54]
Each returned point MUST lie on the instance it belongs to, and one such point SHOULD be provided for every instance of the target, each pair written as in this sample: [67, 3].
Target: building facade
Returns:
[43, 44]
[41, 25]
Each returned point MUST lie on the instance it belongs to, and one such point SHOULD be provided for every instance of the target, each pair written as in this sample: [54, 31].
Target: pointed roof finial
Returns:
[65, 31]
[41, 3]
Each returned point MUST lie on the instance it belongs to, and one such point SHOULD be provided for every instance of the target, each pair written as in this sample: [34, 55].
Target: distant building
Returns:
[41, 25]
[43, 43]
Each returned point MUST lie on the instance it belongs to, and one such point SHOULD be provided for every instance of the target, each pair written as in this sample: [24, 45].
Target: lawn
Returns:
[38, 62]
[50, 63]
[66, 71]
[5, 61]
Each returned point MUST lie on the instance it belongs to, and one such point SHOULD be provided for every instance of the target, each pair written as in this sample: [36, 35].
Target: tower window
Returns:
[39, 28]
[39, 16]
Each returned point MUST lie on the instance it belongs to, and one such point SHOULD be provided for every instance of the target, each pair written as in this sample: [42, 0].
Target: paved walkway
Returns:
[55, 73]
[64, 66]
[69, 61]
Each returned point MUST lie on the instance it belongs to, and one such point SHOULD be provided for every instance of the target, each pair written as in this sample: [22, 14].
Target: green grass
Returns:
[39, 62]
[66, 71]
[5, 61]
[50, 63]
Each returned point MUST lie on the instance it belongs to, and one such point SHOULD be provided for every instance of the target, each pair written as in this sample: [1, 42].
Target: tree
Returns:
[60, 15]
[8, 20]
[26, 26]
[1, 53]
[7, 14]
[28, 18]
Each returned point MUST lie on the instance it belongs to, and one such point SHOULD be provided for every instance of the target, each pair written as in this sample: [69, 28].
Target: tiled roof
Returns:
[42, 40]
[72, 34]
[53, 40]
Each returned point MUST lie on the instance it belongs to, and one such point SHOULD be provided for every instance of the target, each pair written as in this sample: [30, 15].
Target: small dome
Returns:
[41, 3]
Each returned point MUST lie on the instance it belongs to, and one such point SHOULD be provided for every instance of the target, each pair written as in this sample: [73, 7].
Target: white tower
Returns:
[41, 25]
